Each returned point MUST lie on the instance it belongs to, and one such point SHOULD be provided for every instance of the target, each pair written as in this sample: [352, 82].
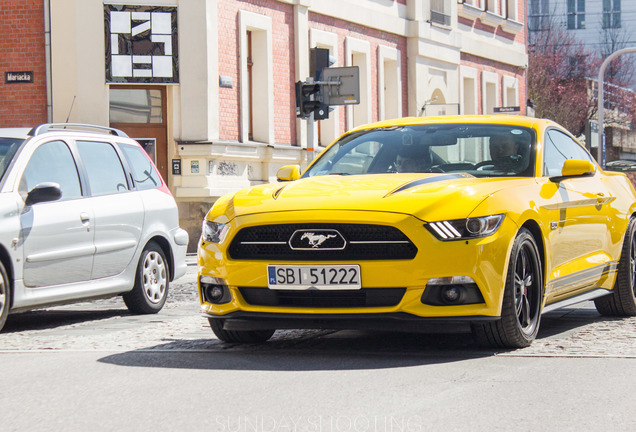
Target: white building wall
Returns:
[433, 61]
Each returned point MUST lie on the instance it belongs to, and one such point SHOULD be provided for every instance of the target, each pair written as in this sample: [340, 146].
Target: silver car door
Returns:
[119, 212]
[57, 236]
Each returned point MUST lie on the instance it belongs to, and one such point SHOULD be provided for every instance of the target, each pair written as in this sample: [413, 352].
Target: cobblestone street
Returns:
[106, 325]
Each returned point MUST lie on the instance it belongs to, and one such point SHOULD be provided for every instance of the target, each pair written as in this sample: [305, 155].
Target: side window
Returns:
[144, 174]
[558, 148]
[103, 167]
[52, 162]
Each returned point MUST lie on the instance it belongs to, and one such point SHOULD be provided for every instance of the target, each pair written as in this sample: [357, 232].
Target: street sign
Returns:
[347, 92]
[18, 77]
[507, 110]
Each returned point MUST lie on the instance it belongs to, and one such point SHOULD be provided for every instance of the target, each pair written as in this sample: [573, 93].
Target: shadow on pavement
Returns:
[308, 351]
[52, 318]
[302, 350]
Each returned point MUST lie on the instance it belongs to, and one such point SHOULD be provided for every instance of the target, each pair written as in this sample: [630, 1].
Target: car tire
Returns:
[5, 296]
[239, 336]
[622, 301]
[523, 295]
[152, 281]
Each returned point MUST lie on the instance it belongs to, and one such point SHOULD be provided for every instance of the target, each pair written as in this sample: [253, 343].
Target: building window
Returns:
[489, 92]
[257, 83]
[539, 15]
[494, 6]
[611, 13]
[511, 10]
[510, 93]
[576, 14]
[135, 105]
[358, 53]
[141, 44]
[440, 12]
[469, 91]
[389, 83]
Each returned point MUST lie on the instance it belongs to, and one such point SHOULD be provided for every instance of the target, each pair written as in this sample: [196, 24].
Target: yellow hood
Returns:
[422, 195]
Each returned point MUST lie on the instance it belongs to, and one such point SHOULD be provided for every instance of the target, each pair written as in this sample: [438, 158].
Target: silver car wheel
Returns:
[154, 277]
[3, 296]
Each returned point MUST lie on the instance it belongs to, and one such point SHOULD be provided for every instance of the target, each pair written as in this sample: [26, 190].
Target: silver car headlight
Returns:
[213, 232]
[465, 229]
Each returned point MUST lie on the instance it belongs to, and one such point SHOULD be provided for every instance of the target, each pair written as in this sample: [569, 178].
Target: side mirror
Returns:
[575, 168]
[43, 192]
[288, 173]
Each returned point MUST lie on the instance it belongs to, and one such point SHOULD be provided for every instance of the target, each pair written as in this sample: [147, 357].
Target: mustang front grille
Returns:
[369, 297]
[321, 242]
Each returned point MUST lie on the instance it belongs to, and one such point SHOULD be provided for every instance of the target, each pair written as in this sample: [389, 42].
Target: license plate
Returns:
[322, 277]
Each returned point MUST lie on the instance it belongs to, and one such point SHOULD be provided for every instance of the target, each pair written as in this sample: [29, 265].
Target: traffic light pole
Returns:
[314, 97]
[311, 137]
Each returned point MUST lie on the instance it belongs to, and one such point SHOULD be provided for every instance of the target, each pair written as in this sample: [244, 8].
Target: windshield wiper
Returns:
[339, 173]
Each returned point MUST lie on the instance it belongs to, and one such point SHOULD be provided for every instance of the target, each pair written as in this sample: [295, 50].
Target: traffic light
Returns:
[309, 99]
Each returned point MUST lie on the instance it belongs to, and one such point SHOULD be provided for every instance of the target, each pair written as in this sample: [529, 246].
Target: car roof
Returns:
[14, 132]
[496, 119]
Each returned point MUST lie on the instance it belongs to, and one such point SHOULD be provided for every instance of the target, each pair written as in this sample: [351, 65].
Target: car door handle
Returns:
[85, 218]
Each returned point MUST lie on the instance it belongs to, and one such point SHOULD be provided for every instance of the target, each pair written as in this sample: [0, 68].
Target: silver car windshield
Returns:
[481, 150]
[8, 149]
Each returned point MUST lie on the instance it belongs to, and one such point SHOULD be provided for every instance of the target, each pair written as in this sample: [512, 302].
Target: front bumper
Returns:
[484, 260]
[398, 321]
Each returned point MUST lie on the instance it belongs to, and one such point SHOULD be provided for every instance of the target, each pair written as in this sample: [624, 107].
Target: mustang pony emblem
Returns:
[316, 240]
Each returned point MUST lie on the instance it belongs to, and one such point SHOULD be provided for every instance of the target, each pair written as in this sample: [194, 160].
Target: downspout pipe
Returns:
[47, 60]
[601, 74]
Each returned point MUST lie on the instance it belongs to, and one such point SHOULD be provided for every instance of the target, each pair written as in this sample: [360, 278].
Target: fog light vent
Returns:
[450, 291]
[214, 290]
[452, 294]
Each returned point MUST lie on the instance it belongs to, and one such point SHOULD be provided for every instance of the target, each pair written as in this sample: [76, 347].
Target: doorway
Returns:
[140, 111]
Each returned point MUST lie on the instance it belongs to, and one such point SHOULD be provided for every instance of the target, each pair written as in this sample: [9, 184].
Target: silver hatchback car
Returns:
[85, 215]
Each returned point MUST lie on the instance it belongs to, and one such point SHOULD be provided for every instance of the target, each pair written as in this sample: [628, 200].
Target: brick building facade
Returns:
[22, 49]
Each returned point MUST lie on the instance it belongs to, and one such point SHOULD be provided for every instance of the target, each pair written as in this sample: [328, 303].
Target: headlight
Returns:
[464, 229]
[213, 232]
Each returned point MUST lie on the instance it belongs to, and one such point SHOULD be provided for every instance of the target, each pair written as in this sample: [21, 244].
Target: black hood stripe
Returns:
[277, 192]
[428, 180]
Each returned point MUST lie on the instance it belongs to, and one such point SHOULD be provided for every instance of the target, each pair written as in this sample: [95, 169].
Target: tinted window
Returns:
[52, 162]
[481, 150]
[103, 167]
[144, 174]
[558, 148]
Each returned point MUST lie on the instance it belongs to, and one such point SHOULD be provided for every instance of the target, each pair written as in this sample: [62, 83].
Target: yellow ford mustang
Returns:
[485, 220]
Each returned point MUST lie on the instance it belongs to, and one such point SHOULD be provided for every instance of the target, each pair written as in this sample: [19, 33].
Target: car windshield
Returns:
[8, 148]
[482, 150]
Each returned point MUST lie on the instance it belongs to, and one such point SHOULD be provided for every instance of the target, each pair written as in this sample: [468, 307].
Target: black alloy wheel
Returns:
[523, 296]
[622, 300]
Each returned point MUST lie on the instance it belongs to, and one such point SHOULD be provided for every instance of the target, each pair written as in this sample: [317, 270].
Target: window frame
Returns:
[576, 14]
[122, 160]
[130, 167]
[72, 151]
[611, 15]
[570, 139]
